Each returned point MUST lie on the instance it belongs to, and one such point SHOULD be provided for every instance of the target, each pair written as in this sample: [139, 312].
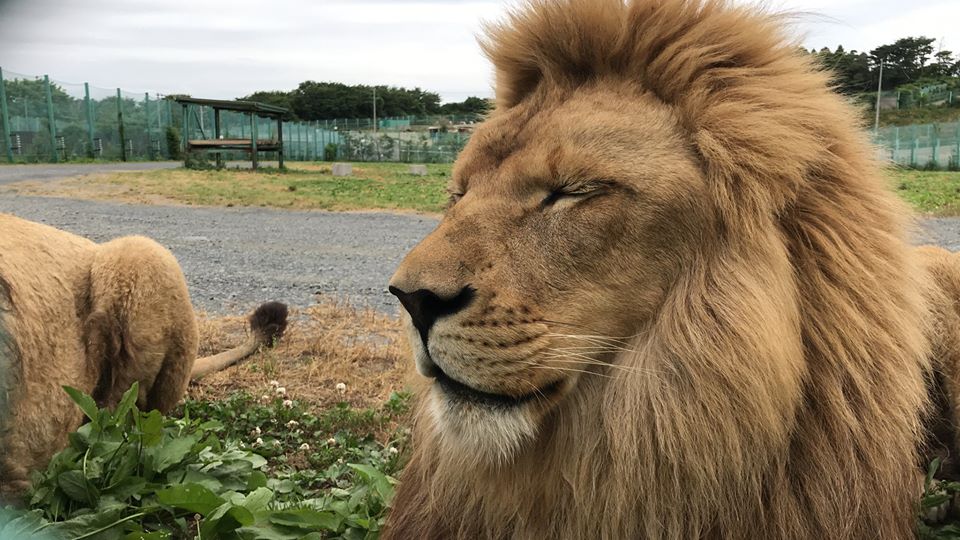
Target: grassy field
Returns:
[929, 192]
[373, 186]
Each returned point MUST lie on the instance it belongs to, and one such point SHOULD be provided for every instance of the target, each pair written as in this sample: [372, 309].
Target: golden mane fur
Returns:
[675, 171]
[97, 317]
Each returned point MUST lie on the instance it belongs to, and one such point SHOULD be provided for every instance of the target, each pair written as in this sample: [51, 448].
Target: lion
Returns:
[672, 295]
[97, 317]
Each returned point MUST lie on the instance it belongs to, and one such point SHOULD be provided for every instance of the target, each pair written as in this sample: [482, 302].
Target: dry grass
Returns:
[325, 344]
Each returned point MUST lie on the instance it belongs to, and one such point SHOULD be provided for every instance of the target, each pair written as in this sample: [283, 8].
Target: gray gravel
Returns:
[944, 232]
[51, 171]
[235, 258]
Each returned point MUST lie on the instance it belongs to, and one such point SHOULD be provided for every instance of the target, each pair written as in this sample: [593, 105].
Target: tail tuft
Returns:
[268, 322]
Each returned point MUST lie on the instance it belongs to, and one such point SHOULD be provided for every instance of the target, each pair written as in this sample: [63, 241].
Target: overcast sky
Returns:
[227, 49]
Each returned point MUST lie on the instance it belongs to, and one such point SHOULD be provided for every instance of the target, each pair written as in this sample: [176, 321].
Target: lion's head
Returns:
[561, 243]
[669, 284]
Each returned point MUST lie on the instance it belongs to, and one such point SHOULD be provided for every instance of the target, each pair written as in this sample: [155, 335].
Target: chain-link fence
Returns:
[931, 146]
[47, 120]
[51, 120]
[915, 96]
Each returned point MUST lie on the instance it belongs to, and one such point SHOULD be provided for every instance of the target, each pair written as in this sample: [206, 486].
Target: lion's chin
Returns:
[481, 433]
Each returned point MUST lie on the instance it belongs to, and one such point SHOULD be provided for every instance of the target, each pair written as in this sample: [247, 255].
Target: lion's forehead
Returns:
[587, 136]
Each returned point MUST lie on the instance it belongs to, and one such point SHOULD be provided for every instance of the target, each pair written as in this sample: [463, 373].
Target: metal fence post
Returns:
[280, 140]
[7, 137]
[146, 113]
[50, 119]
[936, 145]
[123, 130]
[913, 150]
[88, 109]
[957, 149]
[300, 146]
[185, 108]
[253, 139]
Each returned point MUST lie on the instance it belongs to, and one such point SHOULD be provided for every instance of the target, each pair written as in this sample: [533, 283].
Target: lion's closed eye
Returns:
[571, 194]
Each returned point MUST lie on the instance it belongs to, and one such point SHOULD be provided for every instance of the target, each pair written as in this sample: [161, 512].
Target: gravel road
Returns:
[18, 173]
[944, 232]
[235, 258]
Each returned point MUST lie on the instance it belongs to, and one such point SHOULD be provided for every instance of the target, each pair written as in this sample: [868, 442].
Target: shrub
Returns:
[330, 152]
[173, 143]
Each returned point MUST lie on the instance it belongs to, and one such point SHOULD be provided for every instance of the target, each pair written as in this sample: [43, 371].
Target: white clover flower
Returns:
[288, 404]
[340, 461]
[274, 383]
[341, 388]
[264, 398]
[258, 442]
[281, 391]
[392, 450]
[331, 441]
[293, 424]
[276, 442]
[304, 446]
[256, 431]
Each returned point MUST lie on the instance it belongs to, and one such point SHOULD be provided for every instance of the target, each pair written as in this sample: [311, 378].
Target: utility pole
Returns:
[876, 122]
[374, 109]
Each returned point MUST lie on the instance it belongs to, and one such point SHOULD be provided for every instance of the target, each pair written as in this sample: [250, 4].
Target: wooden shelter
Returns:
[253, 145]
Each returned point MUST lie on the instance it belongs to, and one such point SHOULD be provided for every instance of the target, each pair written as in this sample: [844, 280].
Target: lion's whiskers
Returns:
[594, 362]
[536, 365]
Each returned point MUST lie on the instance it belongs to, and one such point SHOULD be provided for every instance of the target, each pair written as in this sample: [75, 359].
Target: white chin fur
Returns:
[489, 435]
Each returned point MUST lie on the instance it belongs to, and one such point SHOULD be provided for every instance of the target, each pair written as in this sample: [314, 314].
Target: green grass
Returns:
[386, 186]
[929, 192]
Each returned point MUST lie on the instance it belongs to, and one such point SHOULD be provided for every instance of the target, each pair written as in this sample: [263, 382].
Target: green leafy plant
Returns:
[936, 503]
[128, 474]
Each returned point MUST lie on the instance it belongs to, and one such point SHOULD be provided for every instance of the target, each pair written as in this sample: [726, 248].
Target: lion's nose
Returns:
[426, 306]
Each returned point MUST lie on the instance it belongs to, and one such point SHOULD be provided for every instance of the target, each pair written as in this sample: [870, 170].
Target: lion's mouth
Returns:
[457, 390]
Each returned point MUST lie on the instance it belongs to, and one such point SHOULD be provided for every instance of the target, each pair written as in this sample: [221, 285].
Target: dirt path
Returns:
[51, 171]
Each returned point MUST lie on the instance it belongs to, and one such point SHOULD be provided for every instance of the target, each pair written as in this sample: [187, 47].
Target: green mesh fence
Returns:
[932, 146]
[53, 120]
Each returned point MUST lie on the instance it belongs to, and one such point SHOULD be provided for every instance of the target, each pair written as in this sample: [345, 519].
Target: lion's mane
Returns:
[816, 440]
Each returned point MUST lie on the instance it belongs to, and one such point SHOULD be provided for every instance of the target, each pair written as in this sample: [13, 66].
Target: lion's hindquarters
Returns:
[141, 324]
[942, 282]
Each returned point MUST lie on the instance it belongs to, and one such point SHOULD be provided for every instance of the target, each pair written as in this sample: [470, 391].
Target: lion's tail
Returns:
[267, 324]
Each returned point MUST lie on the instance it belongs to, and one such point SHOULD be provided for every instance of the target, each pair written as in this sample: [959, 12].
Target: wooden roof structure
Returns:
[253, 145]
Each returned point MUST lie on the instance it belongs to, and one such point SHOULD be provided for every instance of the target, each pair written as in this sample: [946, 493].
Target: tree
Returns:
[904, 60]
[277, 98]
[852, 69]
[944, 65]
[470, 106]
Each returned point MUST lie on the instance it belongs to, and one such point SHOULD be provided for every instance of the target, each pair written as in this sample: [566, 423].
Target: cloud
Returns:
[226, 49]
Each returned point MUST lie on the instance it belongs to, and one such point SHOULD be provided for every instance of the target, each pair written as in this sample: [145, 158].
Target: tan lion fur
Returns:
[679, 256]
[96, 317]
